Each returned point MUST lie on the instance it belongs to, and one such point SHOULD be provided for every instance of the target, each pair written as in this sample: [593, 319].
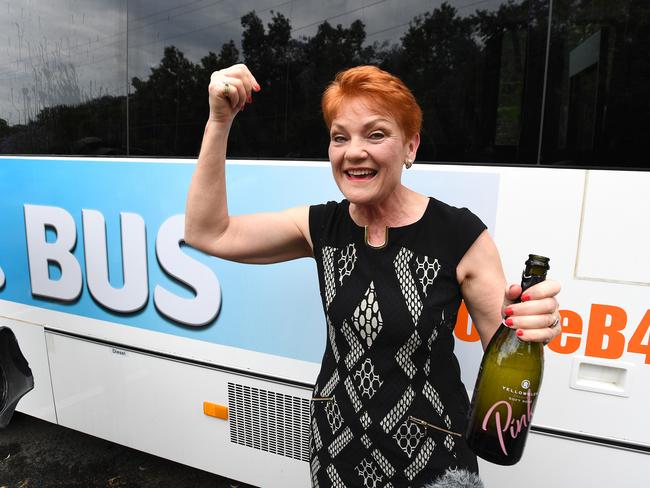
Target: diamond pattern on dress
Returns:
[367, 316]
[369, 472]
[383, 463]
[430, 341]
[397, 412]
[407, 284]
[334, 477]
[315, 435]
[426, 271]
[331, 384]
[366, 441]
[356, 350]
[346, 262]
[432, 395]
[315, 466]
[340, 442]
[333, 415]
[366, 420]
[366, 380]
[352, 393]
[403, 356]
[449, 440]
[434, 336]
[421, 459]
[408, 437]
[332, 337]
[328, 269]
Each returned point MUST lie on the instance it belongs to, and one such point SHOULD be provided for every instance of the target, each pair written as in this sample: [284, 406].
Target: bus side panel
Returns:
[156, 405]
[557, 462]
[592, 224]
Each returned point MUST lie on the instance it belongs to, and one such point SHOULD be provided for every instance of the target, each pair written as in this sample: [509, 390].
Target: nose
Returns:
[356, 150]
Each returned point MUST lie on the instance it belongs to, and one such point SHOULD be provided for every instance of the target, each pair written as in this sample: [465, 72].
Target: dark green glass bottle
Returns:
[507, 386]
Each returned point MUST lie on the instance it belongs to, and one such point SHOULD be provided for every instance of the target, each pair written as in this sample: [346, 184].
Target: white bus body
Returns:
[91, 268]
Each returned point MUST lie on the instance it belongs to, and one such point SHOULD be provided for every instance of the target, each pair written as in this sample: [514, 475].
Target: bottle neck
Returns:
[531, 280]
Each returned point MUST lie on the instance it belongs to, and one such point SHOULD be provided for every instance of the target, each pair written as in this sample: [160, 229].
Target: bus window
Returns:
[63, 77]
[598, 90]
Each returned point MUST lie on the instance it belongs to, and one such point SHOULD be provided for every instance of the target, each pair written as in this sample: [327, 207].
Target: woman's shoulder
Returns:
[460, 226]
[324, 218]
[449, 213]
[320, 211]
[330, 204]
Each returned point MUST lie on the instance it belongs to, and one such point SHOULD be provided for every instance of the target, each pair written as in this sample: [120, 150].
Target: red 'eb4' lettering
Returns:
[464, 328]
[636, 341]
[569, 341]
[605, 339]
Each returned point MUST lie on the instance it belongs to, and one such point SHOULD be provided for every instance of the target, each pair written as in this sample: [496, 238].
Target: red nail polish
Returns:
[520, 332]
[508, 311]
[525, 297]
[257, 87]
[509, 322]
[249, 99]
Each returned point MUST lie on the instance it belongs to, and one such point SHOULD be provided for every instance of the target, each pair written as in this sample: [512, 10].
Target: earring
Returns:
[408, 163]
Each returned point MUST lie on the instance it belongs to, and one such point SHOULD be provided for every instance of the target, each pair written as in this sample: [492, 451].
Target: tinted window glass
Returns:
[63, 77]
[476, 68]
[73, 77]
[598, 103]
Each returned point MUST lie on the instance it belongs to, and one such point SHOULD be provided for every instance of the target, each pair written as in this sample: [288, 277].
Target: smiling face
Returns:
[367, 151]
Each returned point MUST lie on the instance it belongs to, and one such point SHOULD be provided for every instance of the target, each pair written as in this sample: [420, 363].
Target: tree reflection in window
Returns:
[479, 78]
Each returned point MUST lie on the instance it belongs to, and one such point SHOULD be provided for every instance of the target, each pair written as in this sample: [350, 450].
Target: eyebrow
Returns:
[366, 125]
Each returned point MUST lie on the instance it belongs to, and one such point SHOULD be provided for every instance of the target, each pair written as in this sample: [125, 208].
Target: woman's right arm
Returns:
[256, 238]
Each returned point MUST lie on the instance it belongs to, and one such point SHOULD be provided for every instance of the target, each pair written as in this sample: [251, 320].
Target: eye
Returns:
[338, 138]
[377, 135]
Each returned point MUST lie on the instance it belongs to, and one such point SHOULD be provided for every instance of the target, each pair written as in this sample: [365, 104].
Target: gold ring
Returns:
[226, 90]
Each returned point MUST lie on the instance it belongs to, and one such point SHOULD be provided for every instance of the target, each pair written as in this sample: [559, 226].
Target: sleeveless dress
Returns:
[389, 402]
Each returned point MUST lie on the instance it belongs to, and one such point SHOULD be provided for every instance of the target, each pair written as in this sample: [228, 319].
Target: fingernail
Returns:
[257, 87]
[508, 311]
[249, 99]
[510, 322]
[525, 297]
[520, 332]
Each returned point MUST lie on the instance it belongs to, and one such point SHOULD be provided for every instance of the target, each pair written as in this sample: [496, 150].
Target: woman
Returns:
[393, 266]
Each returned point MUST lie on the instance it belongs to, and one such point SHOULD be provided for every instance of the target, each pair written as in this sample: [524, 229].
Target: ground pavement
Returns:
[38, 454]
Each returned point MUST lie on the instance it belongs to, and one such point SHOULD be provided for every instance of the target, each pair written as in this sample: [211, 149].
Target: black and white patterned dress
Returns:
[389, 364]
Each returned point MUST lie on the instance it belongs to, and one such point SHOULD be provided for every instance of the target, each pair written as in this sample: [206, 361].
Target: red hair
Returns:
[382, 91]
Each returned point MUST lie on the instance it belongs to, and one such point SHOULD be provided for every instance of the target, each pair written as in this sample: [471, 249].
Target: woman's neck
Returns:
[403, 207]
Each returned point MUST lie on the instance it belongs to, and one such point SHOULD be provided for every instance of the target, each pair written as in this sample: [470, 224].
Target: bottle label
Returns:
[507, 425]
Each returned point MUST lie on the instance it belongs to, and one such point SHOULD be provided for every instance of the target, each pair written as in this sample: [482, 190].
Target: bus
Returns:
[535, 118]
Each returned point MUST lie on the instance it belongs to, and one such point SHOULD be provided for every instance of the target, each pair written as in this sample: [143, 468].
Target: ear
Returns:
[412, 146]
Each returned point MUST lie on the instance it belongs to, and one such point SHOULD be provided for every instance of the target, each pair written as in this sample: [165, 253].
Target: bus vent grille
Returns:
[269, 421]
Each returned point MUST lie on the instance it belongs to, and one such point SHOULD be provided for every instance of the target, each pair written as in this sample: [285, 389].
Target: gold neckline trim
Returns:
[365, 238]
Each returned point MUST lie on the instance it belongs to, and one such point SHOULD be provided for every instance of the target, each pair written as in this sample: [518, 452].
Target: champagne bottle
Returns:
[507, 386]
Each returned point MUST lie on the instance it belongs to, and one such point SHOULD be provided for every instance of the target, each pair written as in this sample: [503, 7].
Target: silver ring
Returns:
[226, 90]
[556, 323]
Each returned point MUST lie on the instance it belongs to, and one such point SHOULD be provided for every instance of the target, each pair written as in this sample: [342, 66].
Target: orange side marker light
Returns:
[215, 410]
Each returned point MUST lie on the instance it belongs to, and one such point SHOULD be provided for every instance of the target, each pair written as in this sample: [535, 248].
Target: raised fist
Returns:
[229, 91]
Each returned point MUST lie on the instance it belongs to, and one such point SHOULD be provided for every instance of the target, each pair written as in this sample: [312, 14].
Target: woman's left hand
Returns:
[536, 317]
